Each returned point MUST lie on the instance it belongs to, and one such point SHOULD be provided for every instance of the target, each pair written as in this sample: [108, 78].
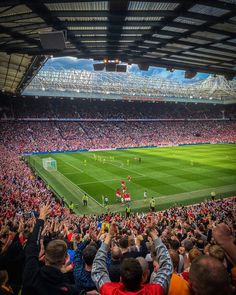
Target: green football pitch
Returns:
[173, 175]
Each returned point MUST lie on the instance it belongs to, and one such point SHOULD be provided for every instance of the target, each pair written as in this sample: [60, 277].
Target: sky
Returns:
[87, 64]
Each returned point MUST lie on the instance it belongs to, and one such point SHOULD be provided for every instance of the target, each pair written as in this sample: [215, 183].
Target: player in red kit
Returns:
[129, 178]
[118, 194]
[124, 188]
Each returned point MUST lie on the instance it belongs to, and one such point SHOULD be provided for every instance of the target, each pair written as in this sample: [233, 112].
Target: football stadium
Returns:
[118, 147]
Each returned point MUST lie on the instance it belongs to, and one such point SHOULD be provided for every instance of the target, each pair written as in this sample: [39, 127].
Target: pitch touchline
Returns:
[77, 188]
[107, 180]
[80, 189]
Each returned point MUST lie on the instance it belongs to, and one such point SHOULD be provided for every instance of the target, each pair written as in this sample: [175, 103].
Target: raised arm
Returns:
[78, 259]
[224, 237]
[164, 273]
[100, 274]
[33, 247]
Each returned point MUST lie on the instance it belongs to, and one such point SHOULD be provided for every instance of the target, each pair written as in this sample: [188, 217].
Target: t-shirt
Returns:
[178, 286]
[119, 289]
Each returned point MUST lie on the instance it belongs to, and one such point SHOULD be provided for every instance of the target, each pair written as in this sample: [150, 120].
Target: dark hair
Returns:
[174, 244]
[208, 276]
[131, 274]
[175, 258]
[116, 253]
[124, 242]
[89, 254]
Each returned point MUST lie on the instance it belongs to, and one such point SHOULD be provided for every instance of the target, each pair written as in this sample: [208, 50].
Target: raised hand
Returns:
[222, 233]
[113, 229]
[152, 232]
[44, 211]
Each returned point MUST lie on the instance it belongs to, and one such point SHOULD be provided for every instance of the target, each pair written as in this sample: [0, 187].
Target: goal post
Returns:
[50, 164]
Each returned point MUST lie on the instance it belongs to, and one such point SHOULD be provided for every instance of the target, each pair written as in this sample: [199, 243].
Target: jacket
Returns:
[83, 280]
[46, 280]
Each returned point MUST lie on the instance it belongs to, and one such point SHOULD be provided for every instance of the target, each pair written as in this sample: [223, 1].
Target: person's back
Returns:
[178, 286]
[83, 260]
[131, 276]
[13, 261]
[114, 269]
[49, 279]
[131, 271]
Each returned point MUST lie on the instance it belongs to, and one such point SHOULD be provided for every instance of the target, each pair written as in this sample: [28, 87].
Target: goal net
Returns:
[50, 164]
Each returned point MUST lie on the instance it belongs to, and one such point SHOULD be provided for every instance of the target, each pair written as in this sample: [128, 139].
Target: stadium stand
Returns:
[29, 107]
[47, 249]
[189, 228]
[51, 136]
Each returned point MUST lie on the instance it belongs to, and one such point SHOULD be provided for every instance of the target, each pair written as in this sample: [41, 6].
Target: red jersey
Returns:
[119, 289]
[118, 192]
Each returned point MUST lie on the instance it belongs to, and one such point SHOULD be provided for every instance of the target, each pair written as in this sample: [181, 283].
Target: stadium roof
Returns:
[191, 35]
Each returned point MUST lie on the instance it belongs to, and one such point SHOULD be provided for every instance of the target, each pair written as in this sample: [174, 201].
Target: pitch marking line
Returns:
[80, 189]
[72, 166]
[91, 208]
[71, 173]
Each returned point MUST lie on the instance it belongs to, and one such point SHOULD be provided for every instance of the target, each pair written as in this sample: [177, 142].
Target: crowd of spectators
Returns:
[46, 249]
[43, 107]
[52, 136]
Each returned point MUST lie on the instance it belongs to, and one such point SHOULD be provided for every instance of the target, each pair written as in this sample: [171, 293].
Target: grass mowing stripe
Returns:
[167, 172]
[129, 170]
[72, 183]
[67, 163]
[107, 180]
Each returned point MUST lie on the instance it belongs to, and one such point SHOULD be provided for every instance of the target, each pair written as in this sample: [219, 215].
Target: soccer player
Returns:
[129, 178]
[124, 188]
[145, 196]
[106, 201]
[127, 197]
[85, 162]
[118, 194]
